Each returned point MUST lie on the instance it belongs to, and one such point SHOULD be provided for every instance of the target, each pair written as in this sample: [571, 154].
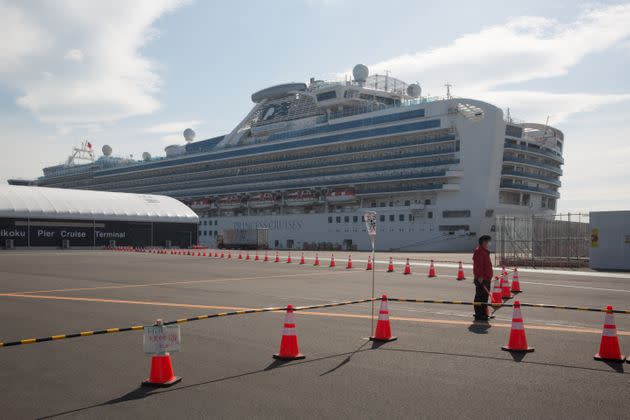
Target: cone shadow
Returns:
[616, 366]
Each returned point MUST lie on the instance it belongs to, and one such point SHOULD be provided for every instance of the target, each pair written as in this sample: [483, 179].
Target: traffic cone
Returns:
[496, 292]
[504, 272]
[266, 257]
[390, 266]
[289, 259]
[407, 268]
[204, 253]
[609, 344]
[247, 256]
[369, 263]
[240, 256]
[383, 328]
[505, 288]
[332, 260]
[277, 259]
[432, 270]
[302, 259]
[316, 260]
[161, 372]
[460, 272]
[289, 344]
[349, 264]
[518, 341]
[516, 285]
[222, 254]
[216, 253]
[256, 258]
[199, 253]
[229, 254]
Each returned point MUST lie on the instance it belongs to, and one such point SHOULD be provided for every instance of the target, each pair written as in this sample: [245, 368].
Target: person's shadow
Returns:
[479, 327]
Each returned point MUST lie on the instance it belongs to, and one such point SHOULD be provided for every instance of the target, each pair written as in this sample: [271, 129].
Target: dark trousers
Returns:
[481, 295]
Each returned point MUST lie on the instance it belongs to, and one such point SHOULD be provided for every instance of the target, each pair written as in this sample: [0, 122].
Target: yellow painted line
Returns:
[312, 313]
[171, 283]
[86, 333]
[58, 337]
[28, 341]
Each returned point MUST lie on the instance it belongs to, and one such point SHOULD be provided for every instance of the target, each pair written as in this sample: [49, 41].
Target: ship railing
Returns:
[557, 169]
[546, 191]
[554, 181]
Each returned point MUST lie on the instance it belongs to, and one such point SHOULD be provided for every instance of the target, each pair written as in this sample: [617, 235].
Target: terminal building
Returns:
[63, 218]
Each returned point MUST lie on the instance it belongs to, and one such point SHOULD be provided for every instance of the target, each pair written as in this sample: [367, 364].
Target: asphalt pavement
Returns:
[442, 365]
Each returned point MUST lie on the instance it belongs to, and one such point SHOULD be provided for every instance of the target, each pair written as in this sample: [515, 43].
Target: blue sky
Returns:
[135, 74]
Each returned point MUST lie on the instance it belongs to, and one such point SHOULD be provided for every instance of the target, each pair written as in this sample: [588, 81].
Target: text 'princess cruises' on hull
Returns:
[309, 159]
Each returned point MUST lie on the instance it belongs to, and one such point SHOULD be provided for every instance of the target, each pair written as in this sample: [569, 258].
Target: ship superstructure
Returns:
[310, 158]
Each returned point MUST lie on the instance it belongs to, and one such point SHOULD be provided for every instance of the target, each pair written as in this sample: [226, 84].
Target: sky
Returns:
[135, 74]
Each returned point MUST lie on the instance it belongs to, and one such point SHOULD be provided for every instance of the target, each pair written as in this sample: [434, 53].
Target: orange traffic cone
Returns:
[256, 258]
[204, 253]
[383, 328]
[240, 256]
[316, 260]
[289, 259]
[407, 268]
[518, 341]
[216, 253]
[266, 257]
[222, 254]
[505, 288]
[432, 270]
[390, 266]
[277, 259]
[609, 345]
[369, 263]
[199, 253]
[302, 259]
[516, 285]
[349, 264]
[229, 254]
[161, 372]
[460, 272]
[496, 292]
[289, 344]
[247, 258]
[332, 260]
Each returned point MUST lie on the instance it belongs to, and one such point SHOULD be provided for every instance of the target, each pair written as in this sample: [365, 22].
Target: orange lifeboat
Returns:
[262, 200]
[300, 198]
[337, 196]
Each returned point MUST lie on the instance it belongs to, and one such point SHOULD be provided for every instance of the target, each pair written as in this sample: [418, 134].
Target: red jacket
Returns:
[482, 266]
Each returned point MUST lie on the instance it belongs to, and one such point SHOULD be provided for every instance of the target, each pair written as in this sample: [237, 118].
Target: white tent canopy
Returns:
[23, 202]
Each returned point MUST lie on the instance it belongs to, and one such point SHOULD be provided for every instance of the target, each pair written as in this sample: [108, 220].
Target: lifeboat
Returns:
[230, 202]
[300, 198]
[262, 200]
[201, 204]
[337, 196]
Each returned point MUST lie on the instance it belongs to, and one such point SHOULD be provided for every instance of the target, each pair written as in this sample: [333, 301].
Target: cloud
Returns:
[80, 62]
[173, 126]
[519, 50]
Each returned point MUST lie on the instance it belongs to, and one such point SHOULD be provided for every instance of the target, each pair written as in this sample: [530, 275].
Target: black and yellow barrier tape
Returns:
[498, 305]
[179, 321]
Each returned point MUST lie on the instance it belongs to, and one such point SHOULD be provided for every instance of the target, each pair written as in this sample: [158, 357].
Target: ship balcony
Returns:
[536, 152]
[506, 185]
[535, 177]
[532, 163]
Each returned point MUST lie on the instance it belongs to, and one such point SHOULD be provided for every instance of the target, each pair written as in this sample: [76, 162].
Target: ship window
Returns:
[456, 213]
[392, 217]
[382, 204]
[382, 218]
[338, 219]
[430, 215]
[373, 204]
[215, 222]
[327, 95]
[427, 201]
[489, 213]
[407, 202]
[411, 218]
[355, 219]
[329, 219]
[401, 217]
[453, 228]
[346, 219]
[391, 204]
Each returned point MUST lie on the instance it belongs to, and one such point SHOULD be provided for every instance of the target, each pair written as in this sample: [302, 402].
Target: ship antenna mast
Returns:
[83, 152]
[448, 90]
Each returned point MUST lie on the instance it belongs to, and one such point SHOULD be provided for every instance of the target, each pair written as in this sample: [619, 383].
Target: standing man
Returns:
[482, 269]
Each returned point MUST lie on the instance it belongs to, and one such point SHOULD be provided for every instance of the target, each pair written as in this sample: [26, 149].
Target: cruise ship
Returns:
[310, 158]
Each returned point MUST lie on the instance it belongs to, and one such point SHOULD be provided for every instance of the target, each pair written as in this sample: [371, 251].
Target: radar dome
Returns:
[360, 73]
[146, 156]
[189, 134]
[107, 150]
[414, 90]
